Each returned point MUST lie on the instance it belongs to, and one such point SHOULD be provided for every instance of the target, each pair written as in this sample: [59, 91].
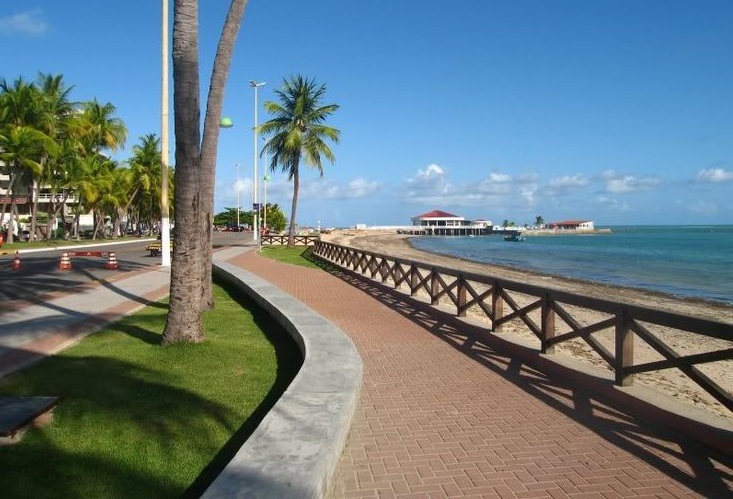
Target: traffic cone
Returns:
[65, 263]
[111, 263]
[16, 261]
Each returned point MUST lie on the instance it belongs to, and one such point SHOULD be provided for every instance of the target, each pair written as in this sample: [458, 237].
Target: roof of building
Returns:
[437, 214]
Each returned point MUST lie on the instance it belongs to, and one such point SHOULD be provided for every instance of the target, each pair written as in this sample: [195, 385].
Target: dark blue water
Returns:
[685, 261]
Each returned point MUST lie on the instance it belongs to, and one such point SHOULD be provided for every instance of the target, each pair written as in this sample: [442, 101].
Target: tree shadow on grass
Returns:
[117, 422]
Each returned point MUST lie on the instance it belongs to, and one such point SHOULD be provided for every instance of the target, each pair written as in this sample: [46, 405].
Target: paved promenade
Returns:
[442, 415]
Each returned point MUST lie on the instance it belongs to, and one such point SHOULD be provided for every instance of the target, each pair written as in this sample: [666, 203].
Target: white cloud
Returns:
[325, 189]
[569, 182]
[499, 178]
[24, 23]
[622, 184]
[427, 183]
[714, 175]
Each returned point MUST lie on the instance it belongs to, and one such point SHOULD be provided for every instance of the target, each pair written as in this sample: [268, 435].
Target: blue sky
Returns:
[619, 111]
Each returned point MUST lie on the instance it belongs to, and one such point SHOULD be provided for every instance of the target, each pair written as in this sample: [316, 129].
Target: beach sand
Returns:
[671, 382]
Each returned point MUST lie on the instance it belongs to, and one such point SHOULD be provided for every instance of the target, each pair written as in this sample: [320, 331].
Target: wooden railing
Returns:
[282, 239]
[552, 316]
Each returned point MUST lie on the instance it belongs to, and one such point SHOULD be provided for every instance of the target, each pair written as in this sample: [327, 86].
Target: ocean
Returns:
[684, 261]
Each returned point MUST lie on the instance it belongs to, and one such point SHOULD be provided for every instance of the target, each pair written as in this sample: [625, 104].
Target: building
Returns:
[24, 198]
[442, 223]
[572, 225]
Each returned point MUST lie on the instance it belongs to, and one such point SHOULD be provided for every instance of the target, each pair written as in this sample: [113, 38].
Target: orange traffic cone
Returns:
[111, 263]
[65, 263]
[16, 261]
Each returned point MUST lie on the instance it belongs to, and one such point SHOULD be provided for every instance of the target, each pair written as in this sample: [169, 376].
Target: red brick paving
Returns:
[443, 415]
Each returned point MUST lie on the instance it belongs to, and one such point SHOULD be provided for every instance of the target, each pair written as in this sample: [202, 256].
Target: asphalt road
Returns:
[40, 274]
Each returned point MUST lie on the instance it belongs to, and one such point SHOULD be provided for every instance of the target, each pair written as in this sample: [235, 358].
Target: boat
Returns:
[514, 236]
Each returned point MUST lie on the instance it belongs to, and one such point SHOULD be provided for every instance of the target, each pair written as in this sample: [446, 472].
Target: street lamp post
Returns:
[238, 203]
[256, 86]
[265, 179]
[165, 235]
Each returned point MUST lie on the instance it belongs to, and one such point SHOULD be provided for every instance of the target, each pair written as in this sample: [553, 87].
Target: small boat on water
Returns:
[514, 236]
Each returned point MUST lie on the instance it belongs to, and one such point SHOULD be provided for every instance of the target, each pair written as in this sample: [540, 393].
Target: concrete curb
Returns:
[294, 452]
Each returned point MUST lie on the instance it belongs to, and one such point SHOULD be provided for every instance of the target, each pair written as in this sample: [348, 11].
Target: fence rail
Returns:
[282, 239]
[555, 317]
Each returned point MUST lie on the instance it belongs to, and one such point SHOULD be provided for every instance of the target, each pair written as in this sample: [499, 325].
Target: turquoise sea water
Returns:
[685, 261]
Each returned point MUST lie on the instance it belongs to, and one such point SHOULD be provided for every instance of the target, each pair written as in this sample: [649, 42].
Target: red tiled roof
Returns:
[437, 214]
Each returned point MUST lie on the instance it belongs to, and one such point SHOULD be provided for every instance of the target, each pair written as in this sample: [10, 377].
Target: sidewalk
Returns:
[31, 329]
[442, 415]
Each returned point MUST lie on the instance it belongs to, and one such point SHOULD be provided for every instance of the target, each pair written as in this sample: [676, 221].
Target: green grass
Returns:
[139, 420]
[300, 255]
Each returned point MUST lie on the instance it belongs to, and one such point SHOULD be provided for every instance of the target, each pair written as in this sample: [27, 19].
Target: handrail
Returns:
[551, 314]
[282, 239]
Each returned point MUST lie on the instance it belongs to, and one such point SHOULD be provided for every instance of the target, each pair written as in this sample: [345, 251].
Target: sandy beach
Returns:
[671, 382]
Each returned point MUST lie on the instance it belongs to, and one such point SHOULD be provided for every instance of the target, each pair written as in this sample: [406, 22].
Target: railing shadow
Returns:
[697, 466]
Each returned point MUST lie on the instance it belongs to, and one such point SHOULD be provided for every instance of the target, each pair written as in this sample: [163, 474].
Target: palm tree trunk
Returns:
[294, 207]
[222, 61]
[184, 323]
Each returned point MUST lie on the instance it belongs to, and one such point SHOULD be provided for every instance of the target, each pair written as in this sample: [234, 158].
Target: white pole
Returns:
[165, 236]
[255, 233]
[238, 165]
[264, 213]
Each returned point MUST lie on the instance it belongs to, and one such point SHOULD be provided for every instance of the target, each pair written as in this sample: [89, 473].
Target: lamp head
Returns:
[226, 122]
[267, 178]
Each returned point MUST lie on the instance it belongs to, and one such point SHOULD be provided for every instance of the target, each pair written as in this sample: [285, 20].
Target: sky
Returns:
[616, 111]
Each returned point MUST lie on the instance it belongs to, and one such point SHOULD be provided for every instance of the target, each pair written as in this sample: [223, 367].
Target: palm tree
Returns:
[21, 148]
[104, 130]
[145, 169]
[539, 221]
[195, 165]
[297, 132]
[55, 112]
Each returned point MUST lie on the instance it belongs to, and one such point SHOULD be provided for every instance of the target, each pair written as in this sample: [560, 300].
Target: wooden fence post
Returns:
[434, 288]
[548, 324]
[624, 349]
[461, 296]
[497, 306]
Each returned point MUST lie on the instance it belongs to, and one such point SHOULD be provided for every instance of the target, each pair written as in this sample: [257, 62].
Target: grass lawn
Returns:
[139, 420]
[300, 255]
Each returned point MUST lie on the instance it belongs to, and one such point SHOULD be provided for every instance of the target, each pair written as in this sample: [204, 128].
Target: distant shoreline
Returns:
[560, 232]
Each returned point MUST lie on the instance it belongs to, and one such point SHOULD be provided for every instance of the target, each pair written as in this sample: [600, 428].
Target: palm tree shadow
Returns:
[696, 466]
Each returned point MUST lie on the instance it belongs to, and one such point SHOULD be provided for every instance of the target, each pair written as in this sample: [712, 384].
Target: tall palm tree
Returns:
[105, 131]
[145, 169]
[195, 161]
[297, 133]
[55, 111]
[21, 148]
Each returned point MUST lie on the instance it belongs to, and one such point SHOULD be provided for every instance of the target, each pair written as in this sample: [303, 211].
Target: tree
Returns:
[297, 133]
[539, 221]
[55, 117]
[195, 161]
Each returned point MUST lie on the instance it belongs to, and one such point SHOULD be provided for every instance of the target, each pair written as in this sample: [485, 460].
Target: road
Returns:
[40, 274]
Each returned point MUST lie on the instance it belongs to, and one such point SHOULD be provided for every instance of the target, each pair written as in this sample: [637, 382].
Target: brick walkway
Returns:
[443, 415]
